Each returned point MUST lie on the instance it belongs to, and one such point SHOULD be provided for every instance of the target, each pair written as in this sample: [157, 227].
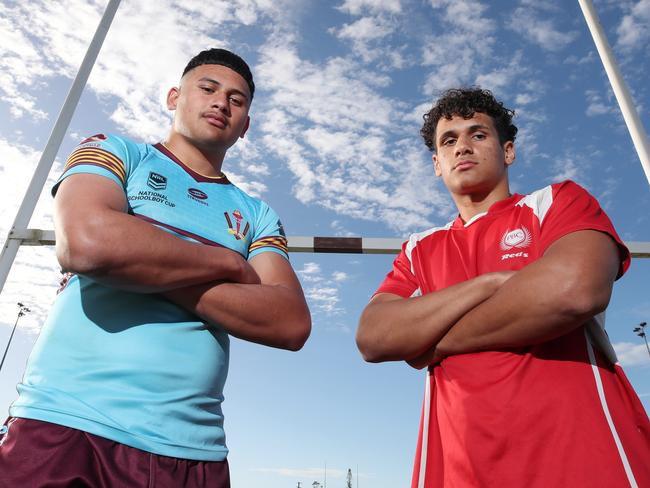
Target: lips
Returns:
[464, 165]
[216, 119]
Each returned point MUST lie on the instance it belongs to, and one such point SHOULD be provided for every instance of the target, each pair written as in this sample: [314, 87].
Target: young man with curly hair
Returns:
[166, 259]
[505, 306]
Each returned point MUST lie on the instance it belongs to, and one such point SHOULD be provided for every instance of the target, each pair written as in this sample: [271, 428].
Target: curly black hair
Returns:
[465, 102]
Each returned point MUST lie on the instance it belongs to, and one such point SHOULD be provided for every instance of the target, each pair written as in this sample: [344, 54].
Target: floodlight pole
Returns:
[39, 178]
[630, 115]
[22, 310]
[640, 331]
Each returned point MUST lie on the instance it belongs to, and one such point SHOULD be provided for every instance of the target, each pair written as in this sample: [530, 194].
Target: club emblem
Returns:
[235, 230]
[516, 238]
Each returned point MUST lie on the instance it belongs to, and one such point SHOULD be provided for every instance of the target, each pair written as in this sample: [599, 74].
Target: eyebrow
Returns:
[471, 129]
[233, 90]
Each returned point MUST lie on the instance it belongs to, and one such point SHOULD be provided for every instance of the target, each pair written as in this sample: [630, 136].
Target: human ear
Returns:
[172, 98]
[436, 165]
[246, 126]
[509, 151]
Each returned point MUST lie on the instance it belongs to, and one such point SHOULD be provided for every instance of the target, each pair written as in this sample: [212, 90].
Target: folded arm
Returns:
[571, 283]
[273, 313]
[392, 328]
[95, 237]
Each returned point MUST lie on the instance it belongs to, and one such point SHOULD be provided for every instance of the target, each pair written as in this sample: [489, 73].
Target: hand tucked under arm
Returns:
[392, 328]
[95, 237]
[571, 283]
[273, 313]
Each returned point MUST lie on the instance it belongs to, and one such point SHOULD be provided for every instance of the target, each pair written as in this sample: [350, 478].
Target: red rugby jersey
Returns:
[557, 414]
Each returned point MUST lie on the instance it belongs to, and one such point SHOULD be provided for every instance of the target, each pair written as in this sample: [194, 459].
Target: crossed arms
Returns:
[570, 283]
[259, 301]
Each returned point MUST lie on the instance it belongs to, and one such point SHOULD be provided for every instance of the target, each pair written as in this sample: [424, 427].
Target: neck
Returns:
[205, 161]
[473, 203]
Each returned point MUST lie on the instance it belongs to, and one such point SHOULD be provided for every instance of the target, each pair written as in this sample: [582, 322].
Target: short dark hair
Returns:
[465, 102]
[224, 58]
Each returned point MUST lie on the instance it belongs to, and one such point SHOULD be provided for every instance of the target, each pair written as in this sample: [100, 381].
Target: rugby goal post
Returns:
[19, 234]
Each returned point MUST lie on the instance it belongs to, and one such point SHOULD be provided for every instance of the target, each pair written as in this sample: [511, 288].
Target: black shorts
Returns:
[36, 454]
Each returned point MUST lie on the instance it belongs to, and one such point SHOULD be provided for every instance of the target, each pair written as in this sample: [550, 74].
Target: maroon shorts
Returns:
[37, 454]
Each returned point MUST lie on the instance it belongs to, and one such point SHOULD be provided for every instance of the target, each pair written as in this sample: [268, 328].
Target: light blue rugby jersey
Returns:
[132, 367]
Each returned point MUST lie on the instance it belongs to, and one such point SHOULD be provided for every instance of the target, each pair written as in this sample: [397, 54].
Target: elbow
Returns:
[299, 333]
[369, 357]
[368, 346]
[369, 354]
[584, 300]
[81, 252]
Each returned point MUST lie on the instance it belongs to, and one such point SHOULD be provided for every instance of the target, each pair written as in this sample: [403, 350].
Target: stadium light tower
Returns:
[640, 331]
[22, 310]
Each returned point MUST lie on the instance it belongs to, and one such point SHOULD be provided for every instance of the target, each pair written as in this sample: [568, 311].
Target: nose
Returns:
[463, 146]
[220, 102]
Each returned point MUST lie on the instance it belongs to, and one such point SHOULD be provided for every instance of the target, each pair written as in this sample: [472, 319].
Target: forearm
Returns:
[273, 315]
[541, 302]
[403, 329]
[122, 251]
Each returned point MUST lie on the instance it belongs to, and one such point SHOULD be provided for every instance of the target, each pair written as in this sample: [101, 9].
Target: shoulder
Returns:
[541, 201]
[120, 146]
[256, 204]
[418, 238]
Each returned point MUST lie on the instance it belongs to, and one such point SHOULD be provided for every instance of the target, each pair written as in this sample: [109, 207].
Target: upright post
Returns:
[39, 178]
[630, 115]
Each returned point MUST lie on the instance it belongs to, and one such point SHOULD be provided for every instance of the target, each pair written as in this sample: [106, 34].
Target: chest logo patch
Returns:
[156, 181]
[516, 238]
[235, 230]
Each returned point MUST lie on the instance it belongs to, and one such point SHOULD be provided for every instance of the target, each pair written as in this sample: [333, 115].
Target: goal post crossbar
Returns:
[310, 244]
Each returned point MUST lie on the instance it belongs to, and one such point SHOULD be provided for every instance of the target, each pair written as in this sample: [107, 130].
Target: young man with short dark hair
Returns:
[165, 259]
[505, 305]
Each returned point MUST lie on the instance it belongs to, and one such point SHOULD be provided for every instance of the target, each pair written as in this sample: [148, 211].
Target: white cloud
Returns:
[340, 230]
[453, 53]
[499, 79]
[367, 36]
[525, 98]
[339, 276]
[330, 124]
[364, 29]
[540, 31]
[323, 292]
[590, 57]
[596, 105]
[634, 30]
[355, 7]
[567, 167]
[632, 354]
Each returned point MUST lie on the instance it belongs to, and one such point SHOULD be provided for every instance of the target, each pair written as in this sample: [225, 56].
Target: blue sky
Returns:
[334, 148]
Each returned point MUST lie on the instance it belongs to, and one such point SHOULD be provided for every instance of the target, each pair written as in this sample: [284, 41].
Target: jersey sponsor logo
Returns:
[156, 181]
[197, 195]
[235, 230]
[95, 138]
[519, 254]
[519, 238]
